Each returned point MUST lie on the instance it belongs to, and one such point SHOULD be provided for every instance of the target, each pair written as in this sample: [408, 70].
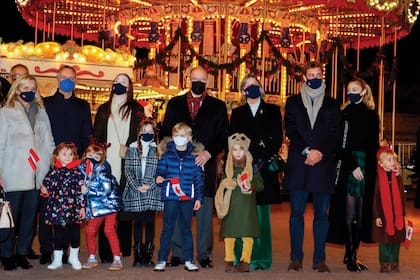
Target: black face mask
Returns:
[198, 87]
[147, 137]
[119, 89]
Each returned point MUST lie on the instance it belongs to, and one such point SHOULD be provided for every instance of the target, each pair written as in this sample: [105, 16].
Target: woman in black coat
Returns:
[262, 123]
[116, 122]
[351, 205]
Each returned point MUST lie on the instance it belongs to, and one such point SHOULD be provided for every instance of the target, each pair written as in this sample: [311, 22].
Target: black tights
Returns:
[64, 233]
[146, 219]
[354, 209]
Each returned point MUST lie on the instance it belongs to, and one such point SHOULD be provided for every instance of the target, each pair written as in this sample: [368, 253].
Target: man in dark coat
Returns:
[208, 119]
[312, 122]
[262, 123]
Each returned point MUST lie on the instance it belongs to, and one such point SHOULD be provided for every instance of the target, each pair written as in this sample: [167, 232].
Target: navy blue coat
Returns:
[325, 137]
[210, 127]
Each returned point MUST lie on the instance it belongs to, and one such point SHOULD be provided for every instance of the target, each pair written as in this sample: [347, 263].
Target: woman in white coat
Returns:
[26, 145]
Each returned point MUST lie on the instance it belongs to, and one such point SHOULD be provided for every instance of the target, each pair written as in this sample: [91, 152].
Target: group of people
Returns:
[129, 170]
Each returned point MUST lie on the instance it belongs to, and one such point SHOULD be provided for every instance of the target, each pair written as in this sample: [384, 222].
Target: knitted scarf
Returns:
[312, 109]
[391, 201]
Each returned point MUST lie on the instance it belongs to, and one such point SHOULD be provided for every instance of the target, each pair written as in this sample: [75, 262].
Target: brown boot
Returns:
[385, 268]
[395, 267]
[242, 267]
[229, 267]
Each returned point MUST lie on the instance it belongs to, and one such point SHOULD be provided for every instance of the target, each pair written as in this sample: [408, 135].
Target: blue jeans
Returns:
[298, 200]
[184, 211]
[24, 208]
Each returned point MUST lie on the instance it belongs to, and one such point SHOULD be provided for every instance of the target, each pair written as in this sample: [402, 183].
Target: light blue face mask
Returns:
[67, 85]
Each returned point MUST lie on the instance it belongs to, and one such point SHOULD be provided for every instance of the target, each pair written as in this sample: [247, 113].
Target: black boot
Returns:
[350, 255]
[8, 263]
[356, 228]
[138, 259]
[147, 254]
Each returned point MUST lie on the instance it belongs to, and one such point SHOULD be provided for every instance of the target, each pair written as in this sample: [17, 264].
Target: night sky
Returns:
[408, 54]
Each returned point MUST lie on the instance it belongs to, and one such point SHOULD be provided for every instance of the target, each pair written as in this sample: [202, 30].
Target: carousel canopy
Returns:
[362, 23]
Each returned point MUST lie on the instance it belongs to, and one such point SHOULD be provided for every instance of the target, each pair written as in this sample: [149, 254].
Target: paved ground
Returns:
[409, 259]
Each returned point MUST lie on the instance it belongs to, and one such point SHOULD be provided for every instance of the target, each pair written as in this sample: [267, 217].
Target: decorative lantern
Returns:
[285, 39]
[153, 34]
[197, 34]
[244, 36]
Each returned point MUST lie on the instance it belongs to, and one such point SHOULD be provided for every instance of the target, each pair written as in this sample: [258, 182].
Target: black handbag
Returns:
[276, 164]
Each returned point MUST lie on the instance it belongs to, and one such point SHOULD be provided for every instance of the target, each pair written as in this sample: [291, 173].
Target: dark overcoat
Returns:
[325, 137]
[266, 133]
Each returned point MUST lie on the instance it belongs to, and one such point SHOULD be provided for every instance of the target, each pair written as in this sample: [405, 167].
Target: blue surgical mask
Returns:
[354, 97]
[27, 96]
[253, 92]
[147, 137]
[67, 85]
[314, 83]
[180, 140]
[119, 89]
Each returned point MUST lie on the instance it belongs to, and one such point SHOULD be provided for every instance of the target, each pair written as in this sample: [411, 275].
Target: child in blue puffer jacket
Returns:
[182, 184]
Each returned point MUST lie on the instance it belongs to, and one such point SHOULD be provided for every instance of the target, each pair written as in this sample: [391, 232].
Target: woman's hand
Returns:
[143, 188]
[358, 174]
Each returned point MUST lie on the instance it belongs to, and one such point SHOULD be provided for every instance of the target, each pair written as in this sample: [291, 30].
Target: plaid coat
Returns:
[134, 200]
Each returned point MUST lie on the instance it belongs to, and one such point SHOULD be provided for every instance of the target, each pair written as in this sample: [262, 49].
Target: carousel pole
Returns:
[226, 43]
[358, 50]
[72, 27]
[263, 49]
[44, 24]
[219, 53]
[178, 83]
[381, 85]
[53, 24]
[394, 89]
[36, 27]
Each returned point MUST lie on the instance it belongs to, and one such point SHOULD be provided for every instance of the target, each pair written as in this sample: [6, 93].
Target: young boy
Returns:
[236, 203]
[182, 184]
[388, 211]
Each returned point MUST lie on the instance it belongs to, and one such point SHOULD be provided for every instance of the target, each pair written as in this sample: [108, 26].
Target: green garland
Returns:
[294, 70]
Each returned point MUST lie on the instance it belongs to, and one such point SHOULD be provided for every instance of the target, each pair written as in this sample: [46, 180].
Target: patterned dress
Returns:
[65, 198]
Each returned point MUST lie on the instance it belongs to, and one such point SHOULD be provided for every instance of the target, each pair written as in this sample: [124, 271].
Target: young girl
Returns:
[236, 203]
[103, 203]
[141, 194]
[388, 211]
[65, 207]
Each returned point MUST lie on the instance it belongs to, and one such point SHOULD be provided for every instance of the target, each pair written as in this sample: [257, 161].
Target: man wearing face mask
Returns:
[312, 122]
[71, 121]
[208, 119]
[262, 123]
[351, 206]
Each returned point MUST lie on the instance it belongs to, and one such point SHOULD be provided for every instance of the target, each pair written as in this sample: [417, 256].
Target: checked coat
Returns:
[133, 199]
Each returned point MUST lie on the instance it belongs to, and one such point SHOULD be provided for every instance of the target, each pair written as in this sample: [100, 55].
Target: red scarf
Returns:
[391, 201]
[194, 103]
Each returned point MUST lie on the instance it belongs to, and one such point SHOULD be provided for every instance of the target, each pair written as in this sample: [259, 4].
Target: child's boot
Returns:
[57, 261]
[74, 259]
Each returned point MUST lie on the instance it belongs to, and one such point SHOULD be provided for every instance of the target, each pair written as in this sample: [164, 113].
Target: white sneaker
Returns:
[189, 266]
[160, 266]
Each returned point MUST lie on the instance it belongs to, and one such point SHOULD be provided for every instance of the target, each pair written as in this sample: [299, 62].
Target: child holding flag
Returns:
[103, 203]
[182, 184]
[388, 211]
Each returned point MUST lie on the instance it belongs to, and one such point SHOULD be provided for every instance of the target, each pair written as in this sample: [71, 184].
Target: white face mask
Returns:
[180, 140]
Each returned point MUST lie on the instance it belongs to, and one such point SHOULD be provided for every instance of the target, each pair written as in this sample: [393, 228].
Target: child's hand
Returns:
[143, 188]
[82, 213]
[159, 180]
[44, 191]
[197, 205]
[378, 222]
[84, 189]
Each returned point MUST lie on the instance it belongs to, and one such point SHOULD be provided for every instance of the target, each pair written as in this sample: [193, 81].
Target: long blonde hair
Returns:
[12, 95]
[367, 99]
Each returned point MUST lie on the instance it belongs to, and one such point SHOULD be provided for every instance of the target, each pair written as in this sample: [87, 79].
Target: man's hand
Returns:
[313, 157]
[202, 158]
[197, 205]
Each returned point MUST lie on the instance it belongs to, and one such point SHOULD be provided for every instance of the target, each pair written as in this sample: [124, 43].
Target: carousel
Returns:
[158, 41]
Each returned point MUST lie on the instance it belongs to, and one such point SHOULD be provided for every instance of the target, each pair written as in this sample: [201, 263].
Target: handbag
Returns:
[6, 216]
[276, 164]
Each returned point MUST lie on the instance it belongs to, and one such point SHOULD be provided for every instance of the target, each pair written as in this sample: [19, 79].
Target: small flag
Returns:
[33, 159]
[176, 187]
[89, 167]
[408, 234]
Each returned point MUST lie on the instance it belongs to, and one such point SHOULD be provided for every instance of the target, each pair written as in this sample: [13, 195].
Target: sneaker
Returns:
[160, 266]
[189, 266]
[116, 265]
[385, 268]
[295, 265]
[395, 267]
[90, 263]
[321, 267]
